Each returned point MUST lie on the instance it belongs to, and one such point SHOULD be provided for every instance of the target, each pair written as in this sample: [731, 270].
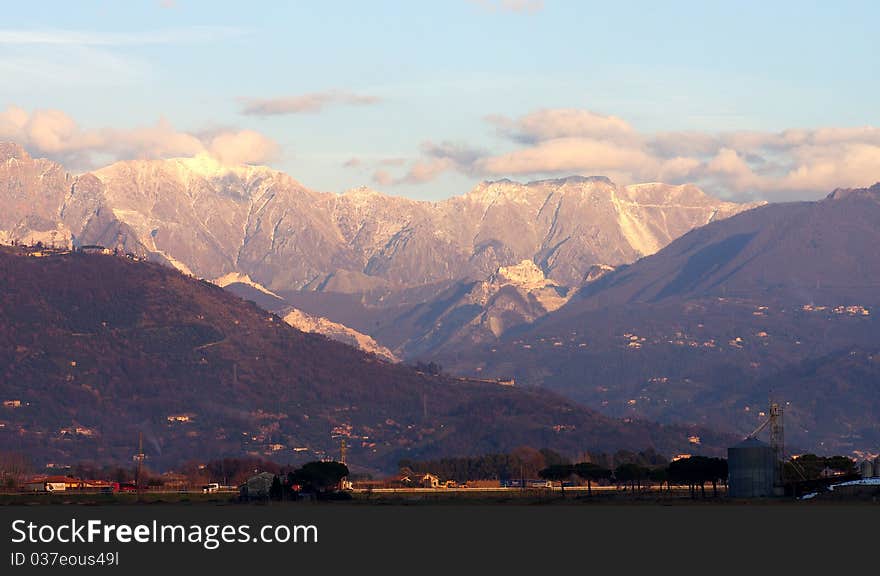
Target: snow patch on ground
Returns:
[339, 332]
[238, 278]
[176, 263]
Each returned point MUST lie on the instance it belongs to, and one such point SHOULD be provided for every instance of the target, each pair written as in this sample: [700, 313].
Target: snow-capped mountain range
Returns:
[225, 223]
[215, 220]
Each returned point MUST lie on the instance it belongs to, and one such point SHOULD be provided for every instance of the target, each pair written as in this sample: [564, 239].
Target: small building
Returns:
[68, 483]
[419, 479]
[210, 488]
[94, 249]
[257, 487]
[47, 484]
[180, 417]
[175, 481]
[753, 469]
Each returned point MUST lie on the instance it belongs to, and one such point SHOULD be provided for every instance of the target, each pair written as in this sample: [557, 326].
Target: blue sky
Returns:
[424, 99]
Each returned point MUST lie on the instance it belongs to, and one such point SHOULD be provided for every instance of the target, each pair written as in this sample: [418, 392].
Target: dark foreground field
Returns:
[539, 497]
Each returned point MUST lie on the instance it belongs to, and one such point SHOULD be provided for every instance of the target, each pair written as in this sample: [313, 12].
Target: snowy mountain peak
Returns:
[576, 179]
[184, 170]
[526, 274]
[209, 167]
[365, 191]
[213, 219]
[10, 150]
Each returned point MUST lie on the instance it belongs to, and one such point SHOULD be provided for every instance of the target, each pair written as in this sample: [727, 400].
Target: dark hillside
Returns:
[98, 348]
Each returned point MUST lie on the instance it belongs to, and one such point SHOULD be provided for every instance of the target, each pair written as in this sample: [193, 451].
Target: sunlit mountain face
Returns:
[777, 302]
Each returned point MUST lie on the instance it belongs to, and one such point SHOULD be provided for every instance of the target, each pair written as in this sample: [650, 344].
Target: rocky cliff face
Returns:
[98, 349]
[476, 312]
[781, 301]
[212, 220]
[32, 192]
[335, 331]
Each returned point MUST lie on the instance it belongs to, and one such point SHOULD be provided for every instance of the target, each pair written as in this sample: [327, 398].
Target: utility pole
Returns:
[140, 464]
[343, 449]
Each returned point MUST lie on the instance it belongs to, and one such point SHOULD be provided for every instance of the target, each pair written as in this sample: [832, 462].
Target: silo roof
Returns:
[752, 442]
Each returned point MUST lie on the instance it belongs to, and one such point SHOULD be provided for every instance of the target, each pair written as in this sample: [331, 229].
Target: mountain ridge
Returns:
[95, 349]
[781, 300]
[260, 222]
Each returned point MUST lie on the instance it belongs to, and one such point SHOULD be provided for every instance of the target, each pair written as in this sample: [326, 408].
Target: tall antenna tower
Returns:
[140, 464]
[777, 440]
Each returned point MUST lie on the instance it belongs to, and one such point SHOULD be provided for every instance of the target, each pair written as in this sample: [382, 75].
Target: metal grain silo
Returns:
[866, 469]
[752, 469]
[877, 467]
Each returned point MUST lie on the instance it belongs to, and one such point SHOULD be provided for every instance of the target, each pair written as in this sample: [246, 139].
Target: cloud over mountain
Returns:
[772, 165]
[242, 147]
[54, 134]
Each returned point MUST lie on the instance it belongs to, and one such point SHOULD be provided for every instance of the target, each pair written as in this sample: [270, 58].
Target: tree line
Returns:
[693, 472]
[628, 470]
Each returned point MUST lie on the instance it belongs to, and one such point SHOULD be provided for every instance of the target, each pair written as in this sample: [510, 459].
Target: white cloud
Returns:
[678, 169]
[731, 168]
[571, 155]
[801, 162]
[54, 134]
[242, 147]
[564, 123]
[439, 158]
[824, 167]
[304, 103]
